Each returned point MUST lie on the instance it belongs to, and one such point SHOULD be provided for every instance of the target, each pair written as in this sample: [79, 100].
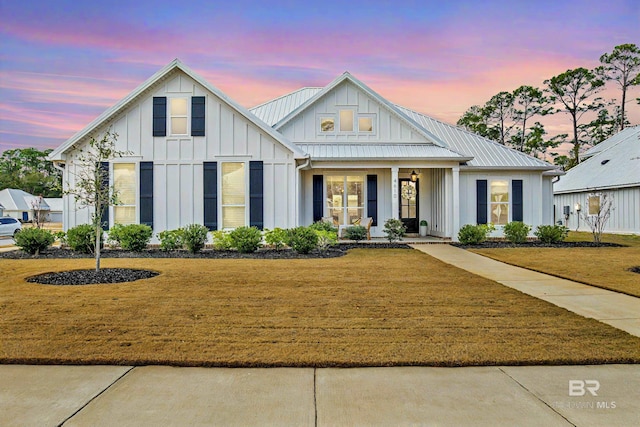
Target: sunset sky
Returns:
[64, 62]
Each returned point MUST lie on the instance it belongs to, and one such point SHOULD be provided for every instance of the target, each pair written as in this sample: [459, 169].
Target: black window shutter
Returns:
[318, 196]
[516, 197]
[197, 115]
[104, 171]
[210, 186]
[481, 201]
[146, 193]
[159, 116]
[372, 198]
[256, 197]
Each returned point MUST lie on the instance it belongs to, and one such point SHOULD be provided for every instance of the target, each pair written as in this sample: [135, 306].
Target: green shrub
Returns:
[276, 238]
[246, 239]
[323, 226]
[516, 231]
[356, 232]
[326, 239]
[34, 240]
[131, 237]
[221, 240]
[471, 234]
[170, 240]
[82, 238]
[394, 229]
[302, 239]
[113, 235]
[551, 233]
[424, 223]
[61, 236]
[194, 237]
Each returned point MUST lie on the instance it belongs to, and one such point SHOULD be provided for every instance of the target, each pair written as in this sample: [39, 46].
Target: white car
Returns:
[9, 226]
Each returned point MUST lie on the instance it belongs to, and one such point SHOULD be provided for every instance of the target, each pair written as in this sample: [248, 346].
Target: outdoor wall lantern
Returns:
[577, 207]
[414, 176]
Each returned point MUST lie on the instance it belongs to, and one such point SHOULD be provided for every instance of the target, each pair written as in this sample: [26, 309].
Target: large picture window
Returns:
[124, 183]
[499, 202]
[233, 195]
[345, 198]
[594, 204]
[346, 120]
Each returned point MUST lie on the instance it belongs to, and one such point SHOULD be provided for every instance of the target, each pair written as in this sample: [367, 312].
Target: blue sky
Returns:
[62, 63]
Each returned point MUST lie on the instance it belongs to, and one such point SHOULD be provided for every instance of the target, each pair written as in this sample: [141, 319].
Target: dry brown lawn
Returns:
[369, 308]
[604, 267]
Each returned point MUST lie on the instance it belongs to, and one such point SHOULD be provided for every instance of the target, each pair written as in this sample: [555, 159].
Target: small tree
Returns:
[91, 188]
[597, 213]
[39, 215]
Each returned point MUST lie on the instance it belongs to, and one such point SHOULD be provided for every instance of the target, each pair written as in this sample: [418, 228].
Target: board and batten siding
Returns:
[537, 199]
[625, 215]
[387, 126]
[178, 160]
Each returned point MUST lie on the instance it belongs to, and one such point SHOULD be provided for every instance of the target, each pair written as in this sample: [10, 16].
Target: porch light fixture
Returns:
[414, 176]
[577, 207]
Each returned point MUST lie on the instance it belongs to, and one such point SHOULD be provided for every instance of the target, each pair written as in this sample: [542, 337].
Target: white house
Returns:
[613, 168]
[55, 209]
[341, 151]
[20, 204]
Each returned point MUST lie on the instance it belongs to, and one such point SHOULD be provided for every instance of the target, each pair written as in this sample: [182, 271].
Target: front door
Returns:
[409, 204]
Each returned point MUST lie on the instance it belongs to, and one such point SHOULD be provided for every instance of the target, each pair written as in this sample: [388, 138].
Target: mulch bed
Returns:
[497, 244]
[635, 269]
[92, 277]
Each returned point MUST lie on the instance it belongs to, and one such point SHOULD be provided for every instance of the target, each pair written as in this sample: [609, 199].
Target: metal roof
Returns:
[18, 200]
[484, 152]
[271, 112]
[628, 132]
[613, 167]
[379, 152]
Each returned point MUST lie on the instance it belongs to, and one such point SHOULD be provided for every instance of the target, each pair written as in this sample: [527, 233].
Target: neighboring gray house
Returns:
[611, 167]
[342, 151]
[55, 209]
[20, 204]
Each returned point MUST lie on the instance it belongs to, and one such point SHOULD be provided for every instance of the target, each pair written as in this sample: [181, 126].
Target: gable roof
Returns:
[174, 65]
[18, 200]
[479, 152]
[346, 76]
[614, 167]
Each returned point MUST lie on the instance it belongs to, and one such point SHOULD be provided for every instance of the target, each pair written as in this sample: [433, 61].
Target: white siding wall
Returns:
[387, 127]
[178, 170]
[536, 197]
[625, 215]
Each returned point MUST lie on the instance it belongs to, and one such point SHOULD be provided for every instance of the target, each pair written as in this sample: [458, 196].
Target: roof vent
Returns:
[604, 162]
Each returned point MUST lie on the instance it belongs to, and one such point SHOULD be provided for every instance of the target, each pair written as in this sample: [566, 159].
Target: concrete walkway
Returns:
[165, 396]
[613, 308]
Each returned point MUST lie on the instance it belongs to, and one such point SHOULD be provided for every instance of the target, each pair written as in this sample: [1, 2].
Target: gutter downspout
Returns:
[298, 199]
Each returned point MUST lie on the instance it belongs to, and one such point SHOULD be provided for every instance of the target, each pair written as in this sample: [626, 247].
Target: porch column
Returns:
[395, 203]
[455, 193]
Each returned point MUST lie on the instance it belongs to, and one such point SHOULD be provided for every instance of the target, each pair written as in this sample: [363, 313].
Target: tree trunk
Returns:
[97, 249]
[624, 98]
[576, 141]
[524, 131]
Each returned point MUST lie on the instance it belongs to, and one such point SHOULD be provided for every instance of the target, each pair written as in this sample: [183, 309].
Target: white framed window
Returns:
[125, 184]
[178, 120]
[365, 124]
[234, 198]
[346, 120]
[593, 204]
[499, 202]
[345, 198]
[327, 124]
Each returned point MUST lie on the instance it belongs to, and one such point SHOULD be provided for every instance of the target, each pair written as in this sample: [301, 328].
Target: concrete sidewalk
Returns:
[166, 396]
[618, 310]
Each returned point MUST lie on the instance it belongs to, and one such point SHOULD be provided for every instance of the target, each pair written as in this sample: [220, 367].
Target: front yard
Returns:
[606, 267]
[379, 307]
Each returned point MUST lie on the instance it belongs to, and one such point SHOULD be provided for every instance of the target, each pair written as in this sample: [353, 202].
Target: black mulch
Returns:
[92, 277]
[264, 253]
[635, 269]
[489, 244]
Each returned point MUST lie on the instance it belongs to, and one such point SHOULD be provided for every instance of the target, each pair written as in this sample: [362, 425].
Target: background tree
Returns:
[572, 91]
[493, 120]
[29, 170]
[528, 102]
[91, 188]
[476, 120]
[622, 66]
